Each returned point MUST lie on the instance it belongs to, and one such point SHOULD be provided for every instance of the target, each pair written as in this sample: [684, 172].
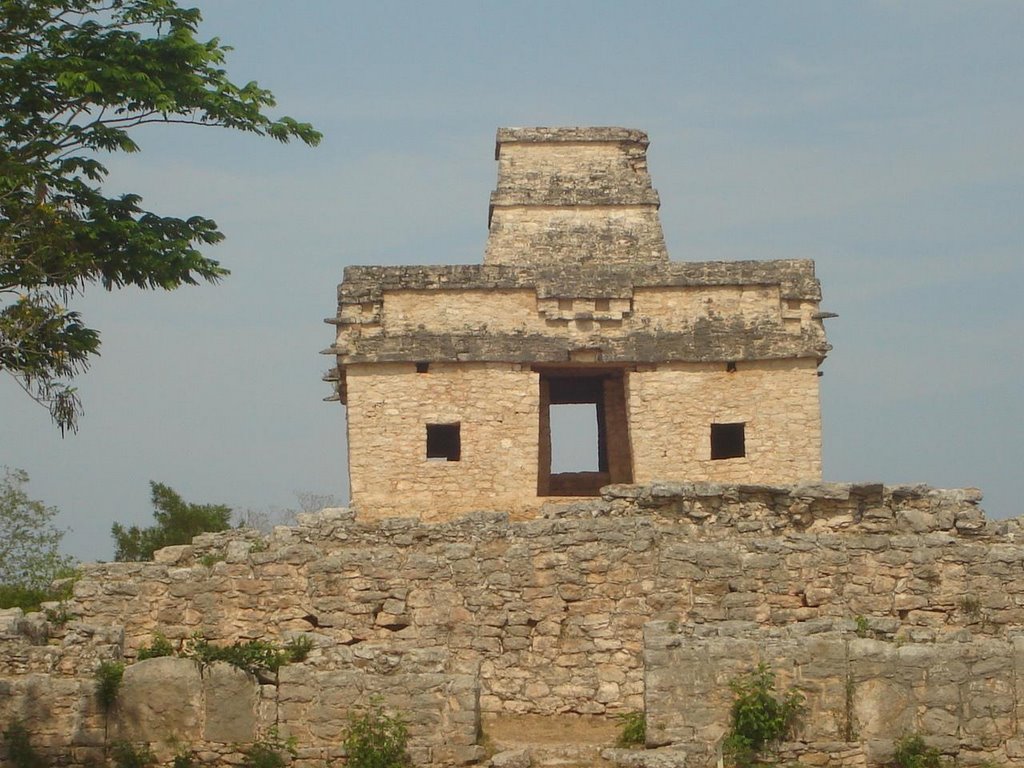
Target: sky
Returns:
[881, 139]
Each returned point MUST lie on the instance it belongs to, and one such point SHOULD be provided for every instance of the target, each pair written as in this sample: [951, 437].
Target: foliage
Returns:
[127, 755]
[634, 729]
[759, 718]
[298, 648]
[26, 598]
[912, 752]
[76, 76]
[160, 646]
[184, 759]
[30, 559]
[253, 656]
[375, 739]
[108, 683]
[861, 626]
[177, 521]
[269, 752]
[19, 749]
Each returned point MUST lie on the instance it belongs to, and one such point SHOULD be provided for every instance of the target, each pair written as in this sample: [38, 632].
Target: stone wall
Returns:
[963, 692]
[48, 683]
[497, 406]
[673, 407]
[483, 618]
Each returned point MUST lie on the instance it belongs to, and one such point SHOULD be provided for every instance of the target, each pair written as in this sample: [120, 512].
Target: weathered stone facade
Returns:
[576, 302]
[892, 609]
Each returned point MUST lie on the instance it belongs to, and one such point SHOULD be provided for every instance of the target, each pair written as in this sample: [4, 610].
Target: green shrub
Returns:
[634, 729]
[912, 752]
[20, 596]
[269, 752]
[759, 718]
[375, 739]
[254, 656]
[127, 755]
[298, 648]
[184, 759]
[108, 683]
[160, 646]
[19, 749]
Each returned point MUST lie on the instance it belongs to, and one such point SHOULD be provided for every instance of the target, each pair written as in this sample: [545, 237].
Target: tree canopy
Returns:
[30, 557]
[76, 76]
[177, 521]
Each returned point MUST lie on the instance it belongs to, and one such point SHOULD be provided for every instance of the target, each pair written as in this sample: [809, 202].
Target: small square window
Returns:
[444, 441]
[602, 305]
[422, 367]
[728, 441]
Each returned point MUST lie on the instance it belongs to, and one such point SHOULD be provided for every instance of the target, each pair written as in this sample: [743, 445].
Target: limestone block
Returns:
[159, 699]
[173, 555]
[231, 698]
[511, 758]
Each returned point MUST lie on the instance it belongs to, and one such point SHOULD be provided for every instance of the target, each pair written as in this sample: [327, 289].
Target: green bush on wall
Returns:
[633, 731]
[912, 752]
[108, 683]
[375, 739]
[759, 717]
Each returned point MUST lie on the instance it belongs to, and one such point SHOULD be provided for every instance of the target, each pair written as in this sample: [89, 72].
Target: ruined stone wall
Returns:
[496, 406]
[672, 409]
[487, 618]
[964, 693]
[48, 683]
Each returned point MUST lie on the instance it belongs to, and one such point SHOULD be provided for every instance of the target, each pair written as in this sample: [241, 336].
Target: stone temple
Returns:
[695, 371]
[712, 548]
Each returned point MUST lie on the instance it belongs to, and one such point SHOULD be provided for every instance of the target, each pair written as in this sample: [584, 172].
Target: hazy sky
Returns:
[882, 139]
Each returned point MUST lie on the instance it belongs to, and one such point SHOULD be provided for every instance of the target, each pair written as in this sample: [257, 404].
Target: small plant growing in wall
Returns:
[633, 731]
[375, 739]
[759, 717]
[911, 751]
[256, 657]
[108, 683]
[160, 646]
[298, 648]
